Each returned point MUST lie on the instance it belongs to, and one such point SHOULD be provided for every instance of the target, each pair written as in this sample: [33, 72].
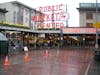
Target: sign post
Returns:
[61, 37]
[97, 25]
[97, 51]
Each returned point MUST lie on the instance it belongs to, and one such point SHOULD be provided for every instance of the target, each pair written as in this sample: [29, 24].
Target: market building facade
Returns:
[17, 24]
[24, 28]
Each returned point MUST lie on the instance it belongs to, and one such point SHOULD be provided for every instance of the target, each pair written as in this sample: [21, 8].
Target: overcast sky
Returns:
[71, 6]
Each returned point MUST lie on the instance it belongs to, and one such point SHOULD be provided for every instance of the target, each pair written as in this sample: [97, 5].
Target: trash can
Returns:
[97, 55]
[3, 45]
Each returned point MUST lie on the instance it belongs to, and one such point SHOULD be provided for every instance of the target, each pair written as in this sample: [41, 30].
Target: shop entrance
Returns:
[53, 40]
[82, 40]
[71, 40]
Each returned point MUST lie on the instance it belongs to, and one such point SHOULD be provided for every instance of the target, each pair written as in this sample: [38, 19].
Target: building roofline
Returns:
[26, 6]
[17, 2]
[87, 9]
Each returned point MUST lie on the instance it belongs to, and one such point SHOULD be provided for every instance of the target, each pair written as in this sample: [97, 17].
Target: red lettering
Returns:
[40, 8]
[61, 25]
[38, 26]
[38, 18]
[57, 16]
[42, 26]
[62, 16]
[60, 7]
[53, 25]
[52, 16]
[53, 8]
[44, 9]
[57, 8]
[47, 16]
[42, 18]
[57, 25]
[34, 18]
[48, 25]
[49, 8]
[76, 31]
[91, 30]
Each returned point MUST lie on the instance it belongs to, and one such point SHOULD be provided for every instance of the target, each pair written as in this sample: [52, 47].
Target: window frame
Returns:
[89, 24]
[89, 15]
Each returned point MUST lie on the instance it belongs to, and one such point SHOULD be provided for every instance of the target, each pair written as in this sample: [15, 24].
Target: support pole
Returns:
[97, 51]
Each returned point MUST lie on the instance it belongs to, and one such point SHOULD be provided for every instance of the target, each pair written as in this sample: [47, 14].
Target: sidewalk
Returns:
[95, 68]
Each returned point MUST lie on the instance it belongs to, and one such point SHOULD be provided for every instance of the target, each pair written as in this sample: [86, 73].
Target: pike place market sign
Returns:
[52, 17]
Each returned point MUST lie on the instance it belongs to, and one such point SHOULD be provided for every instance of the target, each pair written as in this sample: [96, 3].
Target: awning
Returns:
[80, 30]
[2, 37]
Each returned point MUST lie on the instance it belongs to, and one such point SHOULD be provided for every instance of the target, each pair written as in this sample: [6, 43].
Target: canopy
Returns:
[2, 37]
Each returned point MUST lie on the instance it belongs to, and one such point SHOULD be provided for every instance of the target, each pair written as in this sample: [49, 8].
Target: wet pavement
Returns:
[94, 69]
[51, 62]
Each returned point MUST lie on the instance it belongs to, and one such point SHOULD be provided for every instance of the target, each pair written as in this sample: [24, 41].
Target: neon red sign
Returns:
[51, 8]
[53, 18]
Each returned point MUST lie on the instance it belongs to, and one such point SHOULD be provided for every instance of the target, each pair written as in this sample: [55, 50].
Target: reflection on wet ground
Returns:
[49, 62]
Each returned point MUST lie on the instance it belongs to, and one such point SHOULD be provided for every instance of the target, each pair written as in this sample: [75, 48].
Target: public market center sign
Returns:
[52, 17]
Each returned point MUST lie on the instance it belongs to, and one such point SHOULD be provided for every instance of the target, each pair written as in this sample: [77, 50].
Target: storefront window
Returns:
[89, 15]
[89, 24]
